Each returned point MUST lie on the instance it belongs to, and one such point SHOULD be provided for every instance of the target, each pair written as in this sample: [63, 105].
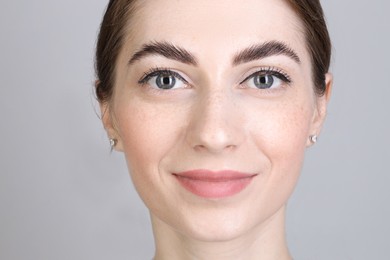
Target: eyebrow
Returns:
[255, 52]
[165, 49]
[263, 50]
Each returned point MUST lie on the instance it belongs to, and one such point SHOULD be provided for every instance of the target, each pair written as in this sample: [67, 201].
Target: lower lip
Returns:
[214, 189]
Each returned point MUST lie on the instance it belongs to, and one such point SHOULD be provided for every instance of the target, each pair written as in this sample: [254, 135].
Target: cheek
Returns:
[148, 133]
[285, 149]
[280, 136]
[281, 128]
[286, 136]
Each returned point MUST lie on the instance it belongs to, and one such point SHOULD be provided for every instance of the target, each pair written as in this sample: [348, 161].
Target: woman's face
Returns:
[213, 106]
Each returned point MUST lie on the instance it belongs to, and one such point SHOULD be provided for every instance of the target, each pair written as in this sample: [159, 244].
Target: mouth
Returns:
[214, 184]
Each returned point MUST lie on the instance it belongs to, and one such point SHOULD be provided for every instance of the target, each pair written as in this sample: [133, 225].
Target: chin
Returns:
[219, 224]
[216, 232]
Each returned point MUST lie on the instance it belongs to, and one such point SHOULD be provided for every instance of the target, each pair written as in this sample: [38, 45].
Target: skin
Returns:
[215, 122]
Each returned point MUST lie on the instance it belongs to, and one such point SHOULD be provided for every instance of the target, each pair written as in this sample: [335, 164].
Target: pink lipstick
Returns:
[214, 184]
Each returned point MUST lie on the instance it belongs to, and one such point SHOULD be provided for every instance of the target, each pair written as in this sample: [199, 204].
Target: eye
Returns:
[163, 79]
[266, 79]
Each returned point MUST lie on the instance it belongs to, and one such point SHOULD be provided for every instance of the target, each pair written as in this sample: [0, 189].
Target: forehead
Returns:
[210, 24]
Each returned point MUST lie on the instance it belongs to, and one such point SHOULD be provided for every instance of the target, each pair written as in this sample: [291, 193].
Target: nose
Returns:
[216, 124]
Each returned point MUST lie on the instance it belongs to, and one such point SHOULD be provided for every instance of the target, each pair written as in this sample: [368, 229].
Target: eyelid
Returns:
[158, 71]
[277, 72]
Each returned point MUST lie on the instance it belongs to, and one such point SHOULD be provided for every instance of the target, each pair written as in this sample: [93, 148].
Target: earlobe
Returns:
[320, 110]
[109, 126]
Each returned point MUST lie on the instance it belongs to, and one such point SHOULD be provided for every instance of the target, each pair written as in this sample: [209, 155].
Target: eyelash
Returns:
[276, 72]
[158, 71]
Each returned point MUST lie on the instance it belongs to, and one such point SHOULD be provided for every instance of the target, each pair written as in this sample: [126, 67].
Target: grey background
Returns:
[63, 196]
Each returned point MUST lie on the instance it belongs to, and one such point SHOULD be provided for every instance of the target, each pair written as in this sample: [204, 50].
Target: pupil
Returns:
[165, 82]
[264, 81]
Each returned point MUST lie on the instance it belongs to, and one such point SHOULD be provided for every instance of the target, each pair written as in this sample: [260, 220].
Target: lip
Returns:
[214, 184]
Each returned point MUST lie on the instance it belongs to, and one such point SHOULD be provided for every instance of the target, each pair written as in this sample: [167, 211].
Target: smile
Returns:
[213, 185]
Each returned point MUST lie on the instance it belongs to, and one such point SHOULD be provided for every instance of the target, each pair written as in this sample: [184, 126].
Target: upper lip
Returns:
[214, 176]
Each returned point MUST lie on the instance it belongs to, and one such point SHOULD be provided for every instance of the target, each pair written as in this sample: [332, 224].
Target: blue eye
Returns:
[163, 79]
[266, 79]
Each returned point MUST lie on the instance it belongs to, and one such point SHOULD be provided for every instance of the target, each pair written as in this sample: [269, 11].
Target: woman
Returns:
[213, 104]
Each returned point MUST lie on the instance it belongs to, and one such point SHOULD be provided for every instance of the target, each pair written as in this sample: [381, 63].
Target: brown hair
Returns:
[114, 27]
[317, 39]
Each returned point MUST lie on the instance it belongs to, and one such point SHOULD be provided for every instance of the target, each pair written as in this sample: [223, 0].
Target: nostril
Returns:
[199, 148]
[230, 147]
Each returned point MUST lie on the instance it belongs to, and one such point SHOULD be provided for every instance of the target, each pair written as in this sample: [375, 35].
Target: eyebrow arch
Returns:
[165, 49]
[264, 50]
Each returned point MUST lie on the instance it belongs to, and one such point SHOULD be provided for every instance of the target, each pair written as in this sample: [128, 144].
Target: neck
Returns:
[265, 241]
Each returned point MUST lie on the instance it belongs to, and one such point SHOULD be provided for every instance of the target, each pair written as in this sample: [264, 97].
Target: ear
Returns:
[321, 105]
[109, 123]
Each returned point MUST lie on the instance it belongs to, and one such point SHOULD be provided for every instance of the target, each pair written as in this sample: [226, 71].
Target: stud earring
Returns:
[313, 139]
[113, 143]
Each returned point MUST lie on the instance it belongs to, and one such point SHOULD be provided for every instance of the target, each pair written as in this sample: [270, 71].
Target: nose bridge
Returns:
[215, 121]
